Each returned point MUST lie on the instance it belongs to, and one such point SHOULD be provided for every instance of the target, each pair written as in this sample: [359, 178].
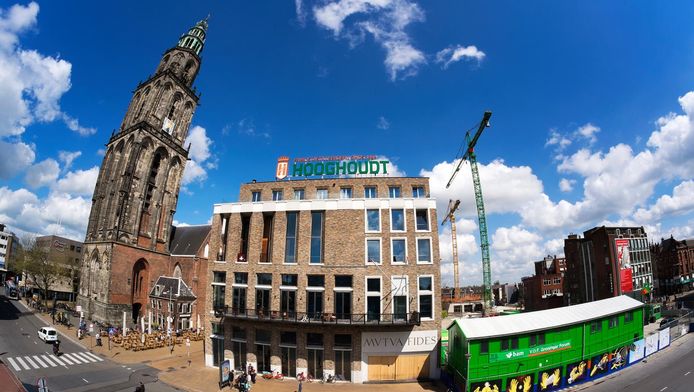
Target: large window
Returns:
[218, 289]
[343, 357]
[343, 296]
[263, 339]
[290, 242]
[398, 248]
[373, 250]
[422, 219]
[321, 194]
[317, 219]
[373, 220]
[263, 289]
[277, 195]
[614, 322]
[314, 296]
[537, 339]
[239, 300]
[397, 220]
[238, 347]
[288, 353]
[288, 289]
[345, 193]
[373, 298]
[266, 241]
[394, 192]
[298, 194]
[418, 192]
[314, 345]
[424, 250]
[400, 293]
[255, 196]
[509, 344]
[426, 297]
[370, 192]
[596, 326]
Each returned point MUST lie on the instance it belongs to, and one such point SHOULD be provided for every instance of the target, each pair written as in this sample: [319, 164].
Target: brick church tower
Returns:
[127, 244]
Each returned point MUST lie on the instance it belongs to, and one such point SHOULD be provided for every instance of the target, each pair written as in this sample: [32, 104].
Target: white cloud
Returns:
[247, 127]
[74, 125]
[386, 21]
[78, 182]
[16, 157]
[300, 12]
[200, 157]
[514, 250]
[67, 157]
[588, 132]
[456, 53]
[681, 202]
[42, 174]
[383, 123]
[566, 185]
[557, 139]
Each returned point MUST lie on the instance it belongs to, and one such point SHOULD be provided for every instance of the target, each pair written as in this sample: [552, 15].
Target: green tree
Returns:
[44, 269]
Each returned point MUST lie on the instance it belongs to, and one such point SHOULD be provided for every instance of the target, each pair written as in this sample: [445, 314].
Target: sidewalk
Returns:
[190, 373]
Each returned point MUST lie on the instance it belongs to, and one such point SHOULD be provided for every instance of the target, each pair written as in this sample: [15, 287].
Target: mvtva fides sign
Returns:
[529, 352]
[331, 166]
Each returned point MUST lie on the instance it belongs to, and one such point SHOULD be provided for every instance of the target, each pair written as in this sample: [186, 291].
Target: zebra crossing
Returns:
[42, 361]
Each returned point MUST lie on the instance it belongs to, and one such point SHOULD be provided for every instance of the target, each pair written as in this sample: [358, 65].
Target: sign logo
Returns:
[282, 167]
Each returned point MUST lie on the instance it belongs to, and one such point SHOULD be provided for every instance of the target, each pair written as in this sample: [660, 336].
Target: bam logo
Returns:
[282, 167]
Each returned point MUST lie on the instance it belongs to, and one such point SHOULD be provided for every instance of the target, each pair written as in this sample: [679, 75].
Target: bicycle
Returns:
[327, 379]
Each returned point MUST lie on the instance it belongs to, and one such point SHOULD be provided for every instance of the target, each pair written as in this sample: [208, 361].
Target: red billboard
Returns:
[625, 280]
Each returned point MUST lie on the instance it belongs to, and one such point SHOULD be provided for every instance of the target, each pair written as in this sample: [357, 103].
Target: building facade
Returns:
[545, 289]
[128, 239]
[8, 248]
[327, 277]
[607, 262]
[545, 350]
[674, 265]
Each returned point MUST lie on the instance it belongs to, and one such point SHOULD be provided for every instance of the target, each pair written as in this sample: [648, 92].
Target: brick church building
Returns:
[130, 240]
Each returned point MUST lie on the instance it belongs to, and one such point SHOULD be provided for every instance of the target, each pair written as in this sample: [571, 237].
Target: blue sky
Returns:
[591, 125]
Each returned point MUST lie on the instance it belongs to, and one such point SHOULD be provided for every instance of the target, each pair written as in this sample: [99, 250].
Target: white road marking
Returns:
[14, 364]
[664, 388]
[24, 365]
[48, 360]
[86, 381]
[67, 360]
[686, 374]
[98, 358]
[73, 358]
[82, 357]
[57, 360]
[31, 362]
[37, 359]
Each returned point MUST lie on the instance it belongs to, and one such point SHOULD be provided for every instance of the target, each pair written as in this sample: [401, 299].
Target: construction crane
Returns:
[450, 216]
[470, 156]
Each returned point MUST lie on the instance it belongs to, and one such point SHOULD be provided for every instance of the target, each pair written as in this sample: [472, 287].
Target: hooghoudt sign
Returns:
[395, 342]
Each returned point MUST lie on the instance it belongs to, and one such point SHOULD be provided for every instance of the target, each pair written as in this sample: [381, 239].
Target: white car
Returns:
[48, 334]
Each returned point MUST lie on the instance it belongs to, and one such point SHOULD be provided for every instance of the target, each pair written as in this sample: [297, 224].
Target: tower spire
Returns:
[194, 39]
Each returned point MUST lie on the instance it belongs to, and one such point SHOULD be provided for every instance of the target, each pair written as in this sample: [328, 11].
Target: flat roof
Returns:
[344, 177]
[522, 323]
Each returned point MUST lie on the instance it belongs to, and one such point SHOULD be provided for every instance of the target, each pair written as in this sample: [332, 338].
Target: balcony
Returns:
[396, 319]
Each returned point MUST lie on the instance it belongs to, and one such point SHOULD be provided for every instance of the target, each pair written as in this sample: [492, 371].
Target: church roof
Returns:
[187, 240]
[175, 288]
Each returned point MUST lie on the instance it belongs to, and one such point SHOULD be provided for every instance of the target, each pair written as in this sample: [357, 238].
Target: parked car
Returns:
[667, 322]
[48, 334]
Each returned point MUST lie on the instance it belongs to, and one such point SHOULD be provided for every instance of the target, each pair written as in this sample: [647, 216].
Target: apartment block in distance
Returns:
[607, 262]
[545, 290]
[674, 265]
[327, 277]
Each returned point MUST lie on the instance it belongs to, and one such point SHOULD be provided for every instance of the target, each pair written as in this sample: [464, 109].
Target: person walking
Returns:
[300, 385]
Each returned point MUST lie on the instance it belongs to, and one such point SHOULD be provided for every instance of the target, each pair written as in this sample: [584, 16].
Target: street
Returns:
[75, 369]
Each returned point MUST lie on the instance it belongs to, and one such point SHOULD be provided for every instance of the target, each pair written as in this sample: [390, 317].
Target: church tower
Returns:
[134, 201]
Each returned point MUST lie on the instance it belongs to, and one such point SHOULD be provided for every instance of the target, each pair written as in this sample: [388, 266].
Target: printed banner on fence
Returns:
[664, 338]
[530, 352]
[638, 353]
[651, 344]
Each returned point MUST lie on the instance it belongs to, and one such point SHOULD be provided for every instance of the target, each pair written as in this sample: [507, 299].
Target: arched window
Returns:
[149, 192]
[177, 271]
[143, 101]
[172, 108]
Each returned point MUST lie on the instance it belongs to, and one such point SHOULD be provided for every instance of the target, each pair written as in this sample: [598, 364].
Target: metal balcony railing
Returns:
[399, 319]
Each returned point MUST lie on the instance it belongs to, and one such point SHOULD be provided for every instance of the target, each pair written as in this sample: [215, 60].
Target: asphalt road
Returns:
[75, 369]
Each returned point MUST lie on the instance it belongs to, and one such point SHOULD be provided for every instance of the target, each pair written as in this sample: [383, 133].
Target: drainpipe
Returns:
[467, 368]
[583, 341]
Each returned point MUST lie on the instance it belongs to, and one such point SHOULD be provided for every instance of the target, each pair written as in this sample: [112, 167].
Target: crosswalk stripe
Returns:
[14, 364]
[48, 360]
[84, 357]
[98, 358]
[37, 359]
[66, 359]
[53, 357]
[73, 358]
[21, 362]
[31, 362]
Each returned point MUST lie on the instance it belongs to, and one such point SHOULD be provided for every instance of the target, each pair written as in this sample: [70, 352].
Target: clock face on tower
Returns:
[168, 126]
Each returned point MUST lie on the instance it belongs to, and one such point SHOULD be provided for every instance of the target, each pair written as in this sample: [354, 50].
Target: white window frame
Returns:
[426, 292]
[260, 196]
[414, 214]
[366, 251]
[277, 195]
[303, 193]
[366, 220]
[394, 186]
[327, 195]
[404, 220]
[424, 190]
[394, 292]
[371, 187]
[368, 293]
[391, 251]
[346, 188]
[431, 250]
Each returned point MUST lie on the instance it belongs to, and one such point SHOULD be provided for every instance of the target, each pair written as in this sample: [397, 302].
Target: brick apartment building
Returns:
[674, 265]
[545, 289]
[607, 262]
[328, 276]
